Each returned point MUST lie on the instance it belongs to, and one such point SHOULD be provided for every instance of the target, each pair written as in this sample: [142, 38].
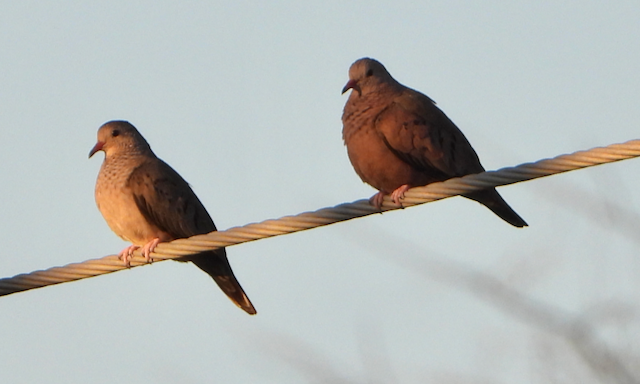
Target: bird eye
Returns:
[370, 72]
[115, 133]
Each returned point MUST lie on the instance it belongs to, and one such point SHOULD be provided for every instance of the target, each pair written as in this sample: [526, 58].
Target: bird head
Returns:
[115, 137]
[366, 75]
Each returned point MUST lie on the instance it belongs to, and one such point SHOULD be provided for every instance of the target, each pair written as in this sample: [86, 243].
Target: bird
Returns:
[397, 138]
[145, 202]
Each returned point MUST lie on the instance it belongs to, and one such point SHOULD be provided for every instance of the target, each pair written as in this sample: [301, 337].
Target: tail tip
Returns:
[250, 310]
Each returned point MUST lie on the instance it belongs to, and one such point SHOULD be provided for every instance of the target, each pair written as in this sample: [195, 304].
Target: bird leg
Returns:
[398, 194]
[126, 254]
[148, 248]
[376, 200]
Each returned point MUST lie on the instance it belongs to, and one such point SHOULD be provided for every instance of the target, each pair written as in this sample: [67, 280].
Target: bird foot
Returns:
[148, 248]
[126, 254]
[376, 200]
[398, 194]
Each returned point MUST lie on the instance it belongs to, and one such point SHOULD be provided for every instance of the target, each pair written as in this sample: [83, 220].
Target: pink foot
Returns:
[376, 200]
[148, 248]
[126, 254]
[398, 194]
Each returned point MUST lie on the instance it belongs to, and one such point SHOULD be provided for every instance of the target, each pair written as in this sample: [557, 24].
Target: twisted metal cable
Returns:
[325, 216]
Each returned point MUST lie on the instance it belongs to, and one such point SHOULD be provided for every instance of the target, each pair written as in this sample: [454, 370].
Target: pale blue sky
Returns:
[244, 101]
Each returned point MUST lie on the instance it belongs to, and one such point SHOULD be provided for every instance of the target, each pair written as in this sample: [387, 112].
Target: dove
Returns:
[145, 202]
[397, 138]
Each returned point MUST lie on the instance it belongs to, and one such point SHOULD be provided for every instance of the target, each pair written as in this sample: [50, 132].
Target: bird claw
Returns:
[398, 194]
[126, 254]
[148, 248]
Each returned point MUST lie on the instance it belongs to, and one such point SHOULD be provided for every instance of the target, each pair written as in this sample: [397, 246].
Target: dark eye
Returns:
[115, 133]
[370, 72]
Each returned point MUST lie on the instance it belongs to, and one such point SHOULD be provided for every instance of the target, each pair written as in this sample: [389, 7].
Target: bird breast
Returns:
[118, 207]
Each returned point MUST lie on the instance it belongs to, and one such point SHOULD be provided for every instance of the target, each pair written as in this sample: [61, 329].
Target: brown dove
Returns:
[145, 201]
[397, 138]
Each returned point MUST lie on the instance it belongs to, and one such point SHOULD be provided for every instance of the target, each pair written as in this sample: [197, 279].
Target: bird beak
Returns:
[352, 84]
[96, 148]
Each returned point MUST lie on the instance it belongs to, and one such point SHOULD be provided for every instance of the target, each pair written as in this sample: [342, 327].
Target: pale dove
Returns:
[397, 138]
[145, 201]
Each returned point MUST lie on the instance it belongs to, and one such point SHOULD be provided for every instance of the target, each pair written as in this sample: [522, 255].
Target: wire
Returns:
[325, 216]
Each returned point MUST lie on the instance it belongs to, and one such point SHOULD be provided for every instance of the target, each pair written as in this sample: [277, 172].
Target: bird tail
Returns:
[492, 200]
[216, 265]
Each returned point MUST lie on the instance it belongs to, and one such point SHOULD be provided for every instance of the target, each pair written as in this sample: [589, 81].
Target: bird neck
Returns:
[132, 152]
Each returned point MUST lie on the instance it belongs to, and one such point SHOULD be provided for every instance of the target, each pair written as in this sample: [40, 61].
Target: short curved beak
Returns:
[351, 84]
[96, 148]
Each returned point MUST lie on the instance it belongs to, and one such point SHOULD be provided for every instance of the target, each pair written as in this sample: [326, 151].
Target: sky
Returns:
[243, 100]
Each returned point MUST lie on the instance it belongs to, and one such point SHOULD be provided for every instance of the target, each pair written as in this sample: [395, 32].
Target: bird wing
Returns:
[166, 200]
[419, 133]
